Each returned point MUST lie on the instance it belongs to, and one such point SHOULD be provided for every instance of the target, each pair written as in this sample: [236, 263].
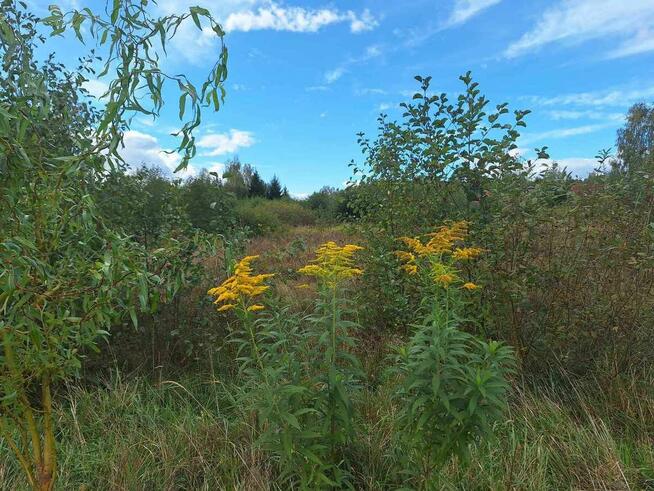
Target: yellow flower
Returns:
[465, 253]
[239, 288]
[414, 244]
[226, 296]
[440, 242]
[445, 237]
[470, 286]
[333, 263]
[445, 279]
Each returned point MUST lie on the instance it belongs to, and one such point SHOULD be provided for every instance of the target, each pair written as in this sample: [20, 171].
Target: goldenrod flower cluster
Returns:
[438, 253]
[440, 242]
[241, 287]
[466, 253]
[409, 260]
[333, 263]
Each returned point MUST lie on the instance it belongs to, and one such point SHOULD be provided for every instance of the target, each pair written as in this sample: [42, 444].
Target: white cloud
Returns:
[296, 19]
[642, 42]
[96, 87]
[600, 98]
[370, 91]
[577, 21]
[149, 122]
[519, 152]
[564, 132]
[217, 167]
[333, 75]
[372, 51]
[193, 46]
[384, 106]
[464, 10]
[577, 166]
[222, 143]
[317, 88]
[142, 148]
[366, 22]
[563, 114]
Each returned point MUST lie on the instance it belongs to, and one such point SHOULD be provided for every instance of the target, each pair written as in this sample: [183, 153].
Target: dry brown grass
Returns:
[285, 253]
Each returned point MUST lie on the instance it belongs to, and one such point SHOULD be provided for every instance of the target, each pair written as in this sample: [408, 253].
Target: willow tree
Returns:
[65, 275]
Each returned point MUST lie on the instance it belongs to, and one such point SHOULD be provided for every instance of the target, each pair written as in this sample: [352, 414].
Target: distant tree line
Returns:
[244, 181]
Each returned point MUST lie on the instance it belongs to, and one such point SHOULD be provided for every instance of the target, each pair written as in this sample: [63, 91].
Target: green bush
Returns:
[569, 273]
[263, 216]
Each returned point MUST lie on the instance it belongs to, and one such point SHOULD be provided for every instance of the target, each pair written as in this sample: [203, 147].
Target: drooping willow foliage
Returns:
[65, 275]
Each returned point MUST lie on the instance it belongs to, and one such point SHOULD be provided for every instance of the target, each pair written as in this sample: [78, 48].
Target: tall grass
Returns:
[133, 434]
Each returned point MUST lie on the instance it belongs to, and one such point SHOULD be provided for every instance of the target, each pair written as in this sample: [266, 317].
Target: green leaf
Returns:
[115, 11]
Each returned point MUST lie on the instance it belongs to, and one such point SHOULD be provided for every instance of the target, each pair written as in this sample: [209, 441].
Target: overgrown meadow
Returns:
[456, 318]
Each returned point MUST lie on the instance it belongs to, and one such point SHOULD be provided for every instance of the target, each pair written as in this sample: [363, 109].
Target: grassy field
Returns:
[137, 431]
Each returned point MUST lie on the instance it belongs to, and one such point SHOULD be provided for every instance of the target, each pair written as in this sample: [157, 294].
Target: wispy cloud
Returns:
[223, 143]
[332, 76]
[631, 23]
[372, 51]
[296, 19]
[317, 88]
[528, 139]
[370, 91]
[563, 114]
[464, 10]
[616, 97]
[191, 45]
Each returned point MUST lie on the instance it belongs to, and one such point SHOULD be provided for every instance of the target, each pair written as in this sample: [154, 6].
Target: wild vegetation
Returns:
[456, 318]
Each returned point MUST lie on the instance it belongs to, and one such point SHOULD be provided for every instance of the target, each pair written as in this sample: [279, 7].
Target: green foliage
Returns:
[66, 276]
[455, 389]
[145, 205]
[209, 204]
[86, 247]
[437, 160]
[636, 141]
[330, 204]
[134, 42]
[569, 275]
[237, 178]
[265, 216]
[257, 186]
[274, 189]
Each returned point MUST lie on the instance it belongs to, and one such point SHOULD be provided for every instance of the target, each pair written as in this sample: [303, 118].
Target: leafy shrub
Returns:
[436, 162]
[455, 385]
[210, 207]
[298, 379]
[569, 278]
[329, 204]
[66, 276]
[263, 215]
[144, 205]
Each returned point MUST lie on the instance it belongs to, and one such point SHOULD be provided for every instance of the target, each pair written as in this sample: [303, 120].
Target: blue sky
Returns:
[306, 75]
